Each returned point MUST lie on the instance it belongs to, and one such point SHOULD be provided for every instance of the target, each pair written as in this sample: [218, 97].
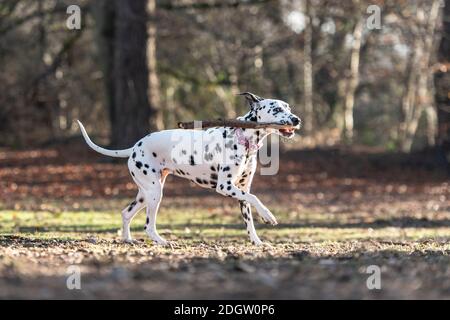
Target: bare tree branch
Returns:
[210, 4]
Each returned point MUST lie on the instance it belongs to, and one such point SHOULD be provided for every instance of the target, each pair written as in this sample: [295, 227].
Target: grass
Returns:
[315, 256]
[185, 225]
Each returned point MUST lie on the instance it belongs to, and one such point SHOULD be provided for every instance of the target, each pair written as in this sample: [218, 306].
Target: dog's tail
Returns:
[112, 153]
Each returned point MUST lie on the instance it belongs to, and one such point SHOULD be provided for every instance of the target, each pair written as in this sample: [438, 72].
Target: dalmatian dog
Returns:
[222, 158]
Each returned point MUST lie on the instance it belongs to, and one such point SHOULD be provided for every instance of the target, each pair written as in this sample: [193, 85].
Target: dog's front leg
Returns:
[244, 184]
[226, 187]
[246, 212]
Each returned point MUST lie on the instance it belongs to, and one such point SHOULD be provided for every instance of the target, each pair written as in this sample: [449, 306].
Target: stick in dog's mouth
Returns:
[289, 132]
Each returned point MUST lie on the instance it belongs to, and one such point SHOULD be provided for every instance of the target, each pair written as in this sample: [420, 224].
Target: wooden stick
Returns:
[233, 123]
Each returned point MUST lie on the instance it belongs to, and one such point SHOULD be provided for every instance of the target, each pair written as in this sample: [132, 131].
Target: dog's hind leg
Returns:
[129, 213]
[153, 199]
[153, 195]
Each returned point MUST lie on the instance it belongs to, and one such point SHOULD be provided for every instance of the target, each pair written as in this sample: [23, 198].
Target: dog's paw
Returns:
[173, 244]
[256, 242]
[267, 217]
[160, 241]
[128, 240]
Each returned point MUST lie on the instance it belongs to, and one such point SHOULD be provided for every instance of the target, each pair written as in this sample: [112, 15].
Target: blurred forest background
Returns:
[142, 65]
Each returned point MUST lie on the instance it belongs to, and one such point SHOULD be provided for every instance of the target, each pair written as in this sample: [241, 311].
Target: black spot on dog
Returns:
[233, 194]
[138, 164]
[221, 187]
[229, 175]
[153, 170]
[147, 166]
[191, 161]
[213, 168]
[242, 180]
[235, 147]
[147, 220]
[208, 156]
[145, 172]
[141, 200]
[154, 154]
[229, 188]
[227, 168]
[132, 173]
[140, 143]
[132, 206]
[183, 151]
[199, 180]
[213, 176]
[224, 134]
[229, 144]
[134, 155]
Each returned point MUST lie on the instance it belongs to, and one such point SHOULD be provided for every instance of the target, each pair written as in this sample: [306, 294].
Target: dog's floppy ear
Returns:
[250, 97]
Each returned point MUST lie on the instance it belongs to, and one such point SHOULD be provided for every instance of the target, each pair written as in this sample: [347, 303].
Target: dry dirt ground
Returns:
[339, 213]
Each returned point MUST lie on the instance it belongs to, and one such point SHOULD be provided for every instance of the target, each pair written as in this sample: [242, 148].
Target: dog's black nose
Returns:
[295, 121]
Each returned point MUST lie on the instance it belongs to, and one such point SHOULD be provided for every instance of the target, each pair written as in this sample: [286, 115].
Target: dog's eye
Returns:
[277, 109]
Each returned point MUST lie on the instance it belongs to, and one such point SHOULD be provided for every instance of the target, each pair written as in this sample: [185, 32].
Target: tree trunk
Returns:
[417, 96]
[104, 14]
[431, 118]
[157, 121]
[353, 80]
[442, 85]
[132, 110]
[307, 70]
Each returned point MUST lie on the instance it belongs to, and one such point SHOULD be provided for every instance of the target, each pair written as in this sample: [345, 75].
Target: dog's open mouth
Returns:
[288, 133]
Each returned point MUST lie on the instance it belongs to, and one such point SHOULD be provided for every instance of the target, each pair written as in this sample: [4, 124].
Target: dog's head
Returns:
[271, 110]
